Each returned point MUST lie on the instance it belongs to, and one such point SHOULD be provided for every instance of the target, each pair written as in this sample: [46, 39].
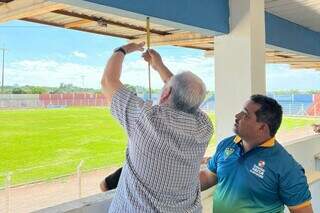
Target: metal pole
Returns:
[79, 178]
[8, 184]
[148, 47]
[290, 108]
[82, 77]
[2, 84]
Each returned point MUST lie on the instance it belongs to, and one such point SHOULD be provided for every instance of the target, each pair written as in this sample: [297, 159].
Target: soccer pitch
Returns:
[41, 144]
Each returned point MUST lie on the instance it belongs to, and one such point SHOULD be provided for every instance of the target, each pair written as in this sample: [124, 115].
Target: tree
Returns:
[130, 87]
[37, 90]
[18, 91]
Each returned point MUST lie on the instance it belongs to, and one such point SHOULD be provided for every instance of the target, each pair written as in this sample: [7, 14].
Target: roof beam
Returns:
[299, 66]
[283, 34]
[5, 1]
[77, 28]
[98, 19]
[195, 47]
[27, 8]
[209, 17]
[177, 39]
[276, 60]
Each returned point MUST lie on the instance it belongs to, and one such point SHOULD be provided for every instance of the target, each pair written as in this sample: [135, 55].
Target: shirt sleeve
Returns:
[294, 189]
[126, 107]
[212, 163]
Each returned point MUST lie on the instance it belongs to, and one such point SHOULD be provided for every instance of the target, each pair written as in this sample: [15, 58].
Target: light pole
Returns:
[2, 84]
[82, 78]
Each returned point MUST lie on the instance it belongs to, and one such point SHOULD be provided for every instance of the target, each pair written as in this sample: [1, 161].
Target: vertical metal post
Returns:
[148, 47]
[290, 108]
[7, 188]
[2, 81]
[79, 178]
[82, 78]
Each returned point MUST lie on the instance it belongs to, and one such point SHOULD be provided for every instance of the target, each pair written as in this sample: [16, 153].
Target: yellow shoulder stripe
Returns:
[300, 206]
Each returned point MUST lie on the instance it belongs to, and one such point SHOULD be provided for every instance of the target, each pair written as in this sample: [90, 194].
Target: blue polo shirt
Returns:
[262, 180]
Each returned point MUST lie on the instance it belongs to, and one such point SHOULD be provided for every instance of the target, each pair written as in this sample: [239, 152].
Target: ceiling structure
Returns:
[304, 12]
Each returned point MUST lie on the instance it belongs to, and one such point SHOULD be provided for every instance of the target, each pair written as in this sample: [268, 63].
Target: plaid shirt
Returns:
[163, 156]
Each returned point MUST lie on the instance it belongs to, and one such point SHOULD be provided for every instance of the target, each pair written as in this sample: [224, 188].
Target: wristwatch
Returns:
[120, 49]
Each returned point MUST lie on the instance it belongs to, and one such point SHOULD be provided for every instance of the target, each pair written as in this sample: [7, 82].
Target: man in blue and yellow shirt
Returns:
[251, 170]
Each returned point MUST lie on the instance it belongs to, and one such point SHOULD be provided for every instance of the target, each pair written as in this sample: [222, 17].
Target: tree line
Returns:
[65, 88]
[70, 88]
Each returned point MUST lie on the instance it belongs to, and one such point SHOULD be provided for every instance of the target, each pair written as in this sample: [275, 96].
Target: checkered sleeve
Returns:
[294, 189]
[126, 107]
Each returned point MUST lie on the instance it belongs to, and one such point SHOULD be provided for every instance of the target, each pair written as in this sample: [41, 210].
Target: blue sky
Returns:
[47, 56]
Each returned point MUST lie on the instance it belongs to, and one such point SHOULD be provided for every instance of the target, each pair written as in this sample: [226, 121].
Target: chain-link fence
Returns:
[34, 188]
[293, 105]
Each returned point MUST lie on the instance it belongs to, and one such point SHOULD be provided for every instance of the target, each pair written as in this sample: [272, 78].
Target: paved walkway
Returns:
[32, 197]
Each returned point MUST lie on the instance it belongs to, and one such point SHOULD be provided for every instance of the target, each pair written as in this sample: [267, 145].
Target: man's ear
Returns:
[165, 94]
[265, 128]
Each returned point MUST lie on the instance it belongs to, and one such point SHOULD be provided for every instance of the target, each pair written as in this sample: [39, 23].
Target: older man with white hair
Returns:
[166, 141]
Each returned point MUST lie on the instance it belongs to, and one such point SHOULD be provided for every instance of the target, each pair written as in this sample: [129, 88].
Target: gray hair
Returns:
[187, 92]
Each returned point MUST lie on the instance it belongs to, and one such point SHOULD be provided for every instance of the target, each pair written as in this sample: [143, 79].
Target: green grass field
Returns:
[40, 144]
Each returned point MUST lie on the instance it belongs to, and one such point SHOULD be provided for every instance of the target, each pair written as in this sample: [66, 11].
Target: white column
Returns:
[239, 62]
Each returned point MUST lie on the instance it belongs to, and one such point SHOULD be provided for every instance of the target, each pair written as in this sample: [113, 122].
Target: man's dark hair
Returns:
[270, 112]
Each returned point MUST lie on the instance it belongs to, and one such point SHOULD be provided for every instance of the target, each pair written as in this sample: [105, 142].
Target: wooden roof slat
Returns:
[100, 19]
[78, 28]
[5, 1]
[77, 23]
[195, 47]
[26, 8]
[177, 39]
[296, 66]
[275, 59]
[184, 42]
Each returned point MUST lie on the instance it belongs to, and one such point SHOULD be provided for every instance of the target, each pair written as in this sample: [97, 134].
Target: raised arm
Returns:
[110, 81]
[157, 64]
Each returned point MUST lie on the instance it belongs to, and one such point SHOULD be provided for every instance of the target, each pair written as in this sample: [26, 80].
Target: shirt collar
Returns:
[268, 143]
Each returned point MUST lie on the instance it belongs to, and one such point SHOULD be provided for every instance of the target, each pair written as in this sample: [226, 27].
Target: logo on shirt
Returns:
[228, 151]
[258, 170]
[261, 164]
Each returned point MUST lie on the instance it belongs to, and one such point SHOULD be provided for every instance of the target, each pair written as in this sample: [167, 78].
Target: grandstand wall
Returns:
[51, 100]
[314, 108]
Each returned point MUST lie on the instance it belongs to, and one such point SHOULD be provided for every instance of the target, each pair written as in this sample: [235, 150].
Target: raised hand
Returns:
[154, 58]
[132, 47]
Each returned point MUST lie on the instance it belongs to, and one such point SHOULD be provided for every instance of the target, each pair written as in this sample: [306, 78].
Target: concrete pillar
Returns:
[239, 62]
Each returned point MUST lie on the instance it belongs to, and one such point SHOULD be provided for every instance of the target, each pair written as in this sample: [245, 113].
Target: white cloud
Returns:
[135, 72]
[46, 72]
[52, 73]
[281, 77]
[79, 54]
